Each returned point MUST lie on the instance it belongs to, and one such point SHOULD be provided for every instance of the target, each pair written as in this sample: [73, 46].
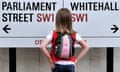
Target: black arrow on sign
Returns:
[6, 28]
[114, 28]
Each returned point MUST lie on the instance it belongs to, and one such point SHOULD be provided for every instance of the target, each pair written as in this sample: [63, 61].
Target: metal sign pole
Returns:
[12, 59]
[109, 60]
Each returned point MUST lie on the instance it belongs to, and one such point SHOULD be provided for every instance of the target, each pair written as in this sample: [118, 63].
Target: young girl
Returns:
[63, 25]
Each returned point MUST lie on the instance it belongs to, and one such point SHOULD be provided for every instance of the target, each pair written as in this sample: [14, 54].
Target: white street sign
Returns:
[25, 23]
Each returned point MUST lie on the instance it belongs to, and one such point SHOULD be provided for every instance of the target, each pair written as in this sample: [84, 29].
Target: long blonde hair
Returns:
[64, 21]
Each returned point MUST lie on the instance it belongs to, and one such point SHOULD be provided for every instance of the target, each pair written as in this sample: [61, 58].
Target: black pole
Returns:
[110, 57]
[12, 59]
